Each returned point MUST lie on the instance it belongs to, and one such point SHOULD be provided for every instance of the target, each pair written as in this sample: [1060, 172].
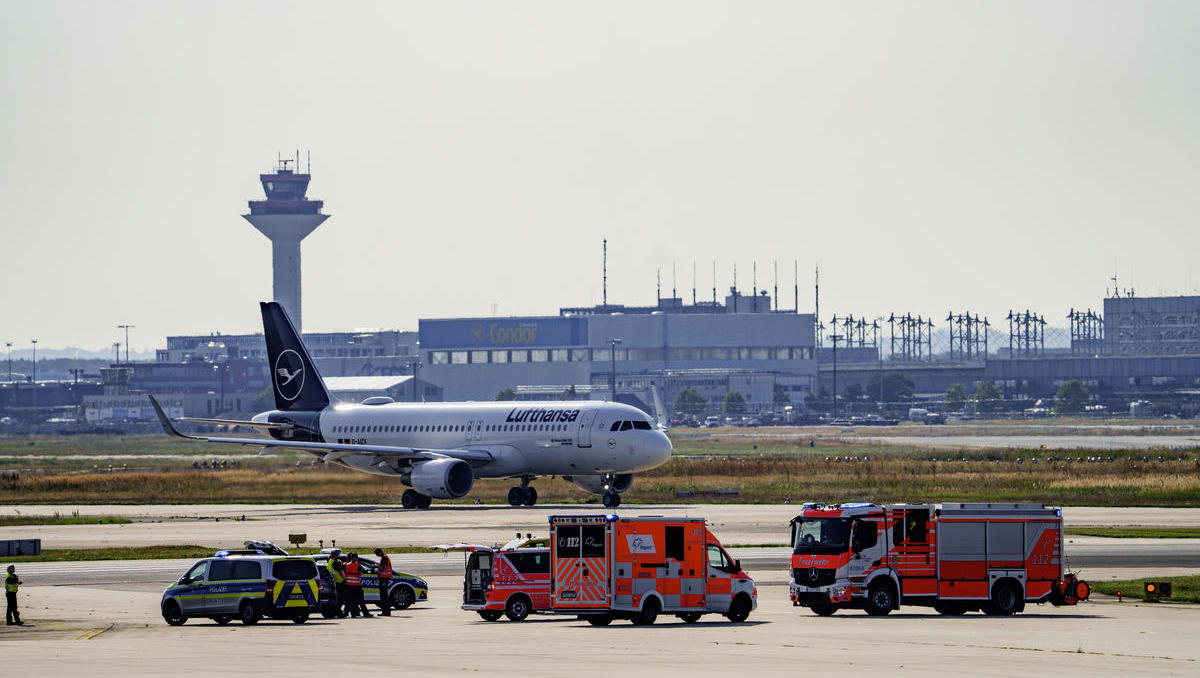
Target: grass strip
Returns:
[16, 519]
[1184, 589]
[178, 551]
[1136, 532]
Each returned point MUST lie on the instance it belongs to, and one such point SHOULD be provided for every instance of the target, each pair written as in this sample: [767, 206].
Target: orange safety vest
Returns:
[352, 576]
[385, 567]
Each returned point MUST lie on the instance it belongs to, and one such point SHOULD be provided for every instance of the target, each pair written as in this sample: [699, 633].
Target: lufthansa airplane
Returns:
[438, 449]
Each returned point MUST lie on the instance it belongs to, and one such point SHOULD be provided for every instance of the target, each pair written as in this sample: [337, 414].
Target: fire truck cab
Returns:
[604, 567]
[952, 557]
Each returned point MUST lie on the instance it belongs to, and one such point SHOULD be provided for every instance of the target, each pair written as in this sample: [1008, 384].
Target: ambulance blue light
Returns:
[1058, 512]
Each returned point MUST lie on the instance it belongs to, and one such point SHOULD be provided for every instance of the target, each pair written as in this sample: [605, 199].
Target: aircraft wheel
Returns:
[611, 500]
[409, 499]
[515, 496]
[530, 496]
[424, 502]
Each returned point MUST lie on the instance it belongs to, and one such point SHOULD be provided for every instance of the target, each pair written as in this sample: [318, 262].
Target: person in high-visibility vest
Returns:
[354, 592]
[385, 580]
[334, 565]
[11, 583]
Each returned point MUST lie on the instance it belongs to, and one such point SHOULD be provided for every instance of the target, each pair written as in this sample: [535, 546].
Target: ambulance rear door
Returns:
[479, 575]
[580, 563]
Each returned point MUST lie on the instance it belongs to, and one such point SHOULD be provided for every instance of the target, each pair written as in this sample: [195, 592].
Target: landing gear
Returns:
[412, 499]
[523, 495]
[611, 500]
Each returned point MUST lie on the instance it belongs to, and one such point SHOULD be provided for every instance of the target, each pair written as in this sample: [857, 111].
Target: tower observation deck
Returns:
[286, 217]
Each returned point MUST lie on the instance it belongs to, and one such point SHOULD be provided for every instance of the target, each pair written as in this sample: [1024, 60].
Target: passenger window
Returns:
[675, 542]
[247, 569]
[196, 574]
[626, 425]
[220, 570]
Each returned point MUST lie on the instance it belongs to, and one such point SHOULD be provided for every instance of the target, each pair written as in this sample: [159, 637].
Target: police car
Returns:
[404, 589]
[246, 585]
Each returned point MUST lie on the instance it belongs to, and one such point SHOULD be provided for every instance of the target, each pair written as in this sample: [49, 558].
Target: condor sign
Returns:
[503, 332]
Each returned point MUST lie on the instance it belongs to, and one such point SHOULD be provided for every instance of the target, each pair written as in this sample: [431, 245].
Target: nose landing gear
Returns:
[611, 499]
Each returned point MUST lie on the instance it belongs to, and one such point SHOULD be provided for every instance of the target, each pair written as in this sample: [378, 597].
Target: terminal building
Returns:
[739, 345]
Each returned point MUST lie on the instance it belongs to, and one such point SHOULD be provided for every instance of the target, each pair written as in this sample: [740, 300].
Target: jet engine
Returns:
[442, 478]
[595, 484]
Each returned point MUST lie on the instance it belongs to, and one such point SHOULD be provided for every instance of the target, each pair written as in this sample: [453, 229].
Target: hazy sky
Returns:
[927, 155]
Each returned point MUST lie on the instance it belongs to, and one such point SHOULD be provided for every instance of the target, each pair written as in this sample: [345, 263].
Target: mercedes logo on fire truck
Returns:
[289, 374]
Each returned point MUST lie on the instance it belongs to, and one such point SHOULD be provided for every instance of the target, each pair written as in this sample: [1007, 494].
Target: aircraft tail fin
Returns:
[294, 378]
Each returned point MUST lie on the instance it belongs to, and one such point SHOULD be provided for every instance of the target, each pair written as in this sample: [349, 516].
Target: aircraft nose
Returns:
[661, 448]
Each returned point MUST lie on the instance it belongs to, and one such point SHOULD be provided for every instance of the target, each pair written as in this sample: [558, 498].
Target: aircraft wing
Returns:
[326, 451]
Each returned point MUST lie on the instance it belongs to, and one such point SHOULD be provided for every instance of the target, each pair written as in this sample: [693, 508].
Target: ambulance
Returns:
[512, 580]
[603, 567]
[954, 558]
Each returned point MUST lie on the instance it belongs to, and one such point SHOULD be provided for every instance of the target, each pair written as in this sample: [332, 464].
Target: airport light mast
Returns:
[286, 217]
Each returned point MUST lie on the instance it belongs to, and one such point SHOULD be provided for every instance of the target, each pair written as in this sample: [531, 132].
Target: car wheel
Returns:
[490, 615]
[649, 613]
[300, 618]
[824, 610]
[172, 614]
[690, 617]
[739, 609]
[950, 609]
[223, 619]
[402, 597]
[881, 598]
[530, 496]
[247, 613]
[330, 612]
[600, 619]
[517, 608]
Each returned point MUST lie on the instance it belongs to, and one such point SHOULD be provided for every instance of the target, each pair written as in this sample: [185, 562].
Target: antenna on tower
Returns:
[796, 283]
[693, 282]
[817, 292]
[308, 162]
[754, 280]
[735, 290]
[674, 295]
[658, 285]
[776, 294]
[604, 275]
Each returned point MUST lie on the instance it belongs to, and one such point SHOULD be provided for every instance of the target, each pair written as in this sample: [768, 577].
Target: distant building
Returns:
[336, 354]
[1141, 326]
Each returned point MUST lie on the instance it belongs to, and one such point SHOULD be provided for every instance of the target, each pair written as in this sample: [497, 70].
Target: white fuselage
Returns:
[521, 438]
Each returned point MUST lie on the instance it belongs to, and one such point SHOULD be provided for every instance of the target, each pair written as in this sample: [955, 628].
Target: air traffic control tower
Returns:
[287, 216]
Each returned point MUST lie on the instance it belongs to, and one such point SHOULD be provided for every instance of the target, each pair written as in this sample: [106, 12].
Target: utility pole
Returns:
[835, 337]
[126, 328]
[8, 345]
[613, 356]
[34, 342]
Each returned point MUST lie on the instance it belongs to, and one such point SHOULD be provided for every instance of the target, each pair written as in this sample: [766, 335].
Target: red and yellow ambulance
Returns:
[604, 567]
[511, 580]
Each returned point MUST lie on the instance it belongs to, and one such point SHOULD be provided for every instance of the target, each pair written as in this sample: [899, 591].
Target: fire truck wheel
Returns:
[530, 496]
[490, 615]
[515, 496]
[881, 598]
[600, 619]
[409, 499]
[739, 609]
[690, 617]
[517, 608]
[824, 610]
[947, 608]
[649, 613]
[1006, 600]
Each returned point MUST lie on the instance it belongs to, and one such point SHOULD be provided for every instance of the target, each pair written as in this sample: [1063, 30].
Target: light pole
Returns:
[613, 356]
[126, 328]
[34, 380]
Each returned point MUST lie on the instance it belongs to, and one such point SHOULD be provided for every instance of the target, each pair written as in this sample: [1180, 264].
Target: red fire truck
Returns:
[604, 567]
[952, 557]
[511, 580]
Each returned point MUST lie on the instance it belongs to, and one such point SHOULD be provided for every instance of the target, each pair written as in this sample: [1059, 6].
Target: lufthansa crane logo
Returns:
[289, 374]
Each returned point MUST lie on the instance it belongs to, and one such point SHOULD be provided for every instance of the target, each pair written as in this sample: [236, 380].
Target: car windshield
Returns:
[821, 535]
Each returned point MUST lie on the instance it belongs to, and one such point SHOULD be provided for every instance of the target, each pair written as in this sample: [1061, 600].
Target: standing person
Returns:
[354, 592]
[385, 580]
[335, 567]
[11, 582]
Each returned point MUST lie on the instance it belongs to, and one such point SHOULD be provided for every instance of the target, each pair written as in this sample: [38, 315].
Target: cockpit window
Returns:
[626, 425]
[616, 426]
[641, 425]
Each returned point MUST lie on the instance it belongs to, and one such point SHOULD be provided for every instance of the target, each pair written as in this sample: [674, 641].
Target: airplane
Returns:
[439, 449]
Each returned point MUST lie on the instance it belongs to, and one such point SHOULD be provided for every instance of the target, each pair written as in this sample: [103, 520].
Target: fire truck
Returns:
[603, 567]
[511, 580]
[952, 557]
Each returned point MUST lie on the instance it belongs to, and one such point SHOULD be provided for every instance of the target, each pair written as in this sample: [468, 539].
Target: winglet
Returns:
[168, 428]
[660, 411]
